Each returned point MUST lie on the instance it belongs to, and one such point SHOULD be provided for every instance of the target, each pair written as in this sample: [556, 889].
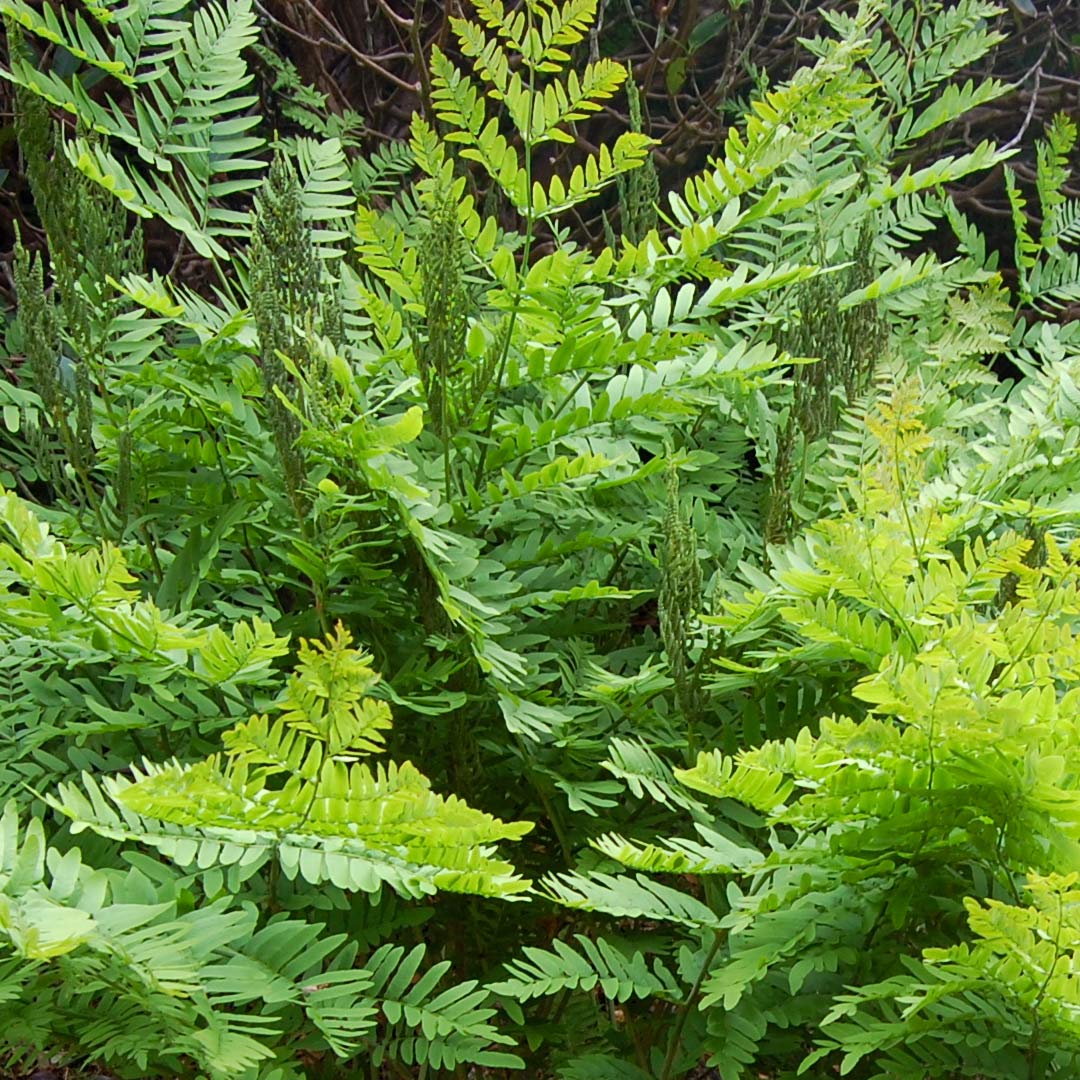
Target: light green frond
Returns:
[724, 777]
[92, 595]
[72, 32]
[557, 474]
[601, 1067]
[626, 897]
[954, 100]
[599, 170]
[643, 771]
[864, 638]
[292, 790]
[208, 817]
[713, 854]
[539, 31]
[944, 171]
[329, 697]
[906, 273]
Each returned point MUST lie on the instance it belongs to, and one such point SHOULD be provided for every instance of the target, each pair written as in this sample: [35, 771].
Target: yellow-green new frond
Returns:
[510, 26]
[1027, 953]
[565, 24]
[538, 31]
[600, 169]
[73, 33]
[357, 827]
[269, 747]
[382, 246]
[724, 777]
[329, 697]
[291, 789]
[714, 854]
[92, 596]
[865, 639]
[457, 99]
[537, 113]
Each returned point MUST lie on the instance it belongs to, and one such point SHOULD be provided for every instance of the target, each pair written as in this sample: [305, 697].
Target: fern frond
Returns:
[722, 777]
[713, 854]
[324, 819]
[190, 126]
[955, 100]
[326, 195]
[72, 32]
[599, 963]
[552, 27]
[600, 1067]
[91, 595]
[944, 171]
[380, 172]
[643, 771]
[453, 1024]
[625, 897]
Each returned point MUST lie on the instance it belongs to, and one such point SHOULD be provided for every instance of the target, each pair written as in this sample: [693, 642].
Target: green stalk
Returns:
[526, 251]
[691, 1003]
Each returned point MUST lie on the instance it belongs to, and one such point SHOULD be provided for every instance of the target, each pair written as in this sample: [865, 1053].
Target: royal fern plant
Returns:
[710, 562]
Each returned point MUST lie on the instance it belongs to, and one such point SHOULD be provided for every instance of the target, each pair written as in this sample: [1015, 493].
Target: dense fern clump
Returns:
[711, 574]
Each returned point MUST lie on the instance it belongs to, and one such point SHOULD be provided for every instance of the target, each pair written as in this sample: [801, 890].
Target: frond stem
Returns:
[691, 1003]
[526, 252]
